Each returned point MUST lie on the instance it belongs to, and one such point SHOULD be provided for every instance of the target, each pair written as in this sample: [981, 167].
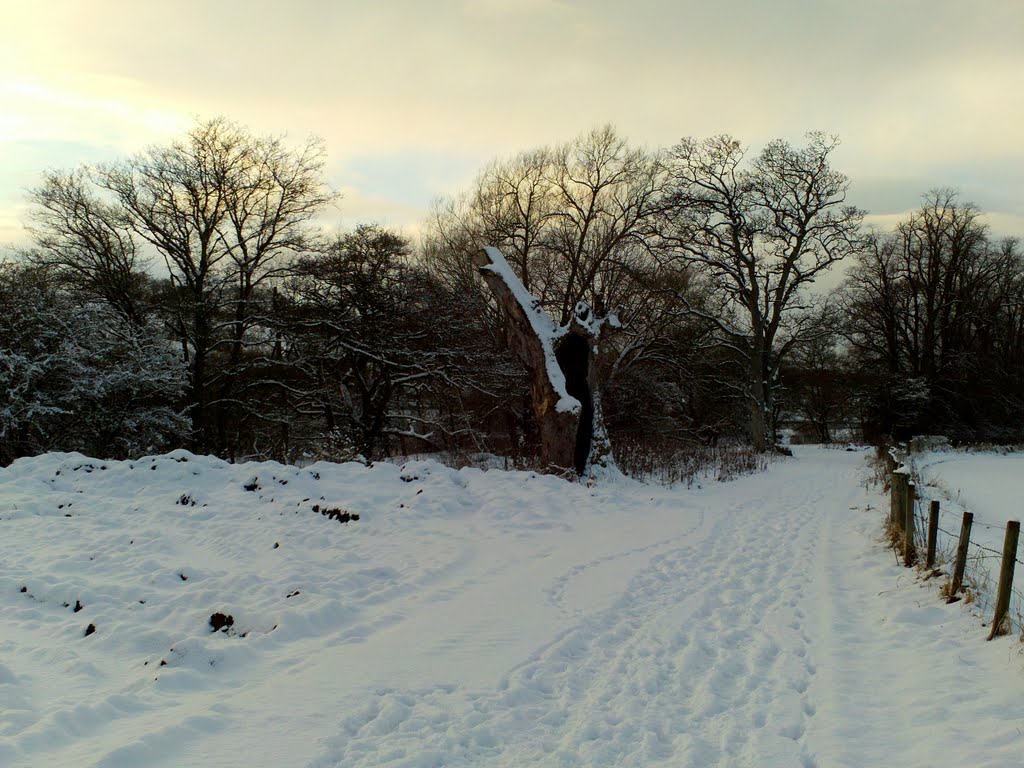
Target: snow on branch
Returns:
[525, 309]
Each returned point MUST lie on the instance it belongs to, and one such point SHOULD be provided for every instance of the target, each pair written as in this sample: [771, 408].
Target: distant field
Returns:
[991, 485]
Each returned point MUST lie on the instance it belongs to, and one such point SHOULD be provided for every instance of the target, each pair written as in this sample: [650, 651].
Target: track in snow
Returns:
[480, 619]
[708, 658]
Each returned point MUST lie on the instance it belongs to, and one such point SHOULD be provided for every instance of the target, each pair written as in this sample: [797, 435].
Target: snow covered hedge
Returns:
[78, 377]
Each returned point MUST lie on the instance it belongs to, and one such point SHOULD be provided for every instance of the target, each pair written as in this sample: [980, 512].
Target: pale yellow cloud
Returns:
[517, 6]
[355, 207]
[917, 90]
[11, 231]
[83, 109]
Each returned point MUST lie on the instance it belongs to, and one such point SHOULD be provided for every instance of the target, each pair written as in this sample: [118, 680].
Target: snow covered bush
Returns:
[78, 377]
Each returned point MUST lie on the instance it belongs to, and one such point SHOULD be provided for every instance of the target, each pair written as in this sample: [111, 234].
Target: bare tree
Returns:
[224, 208]
[576, 223]
[762, 234]
[86, 240]
[370, 337]
[571, 220]
[935, 303]
[817, 383]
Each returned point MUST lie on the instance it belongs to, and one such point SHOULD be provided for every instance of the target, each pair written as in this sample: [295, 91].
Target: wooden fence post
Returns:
[909, 553]
[898, 497]
[933, 532]
[961, 557]
[884, 455]
[1005, 579]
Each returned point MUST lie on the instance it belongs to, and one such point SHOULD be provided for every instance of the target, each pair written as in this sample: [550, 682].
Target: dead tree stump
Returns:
[560, 362]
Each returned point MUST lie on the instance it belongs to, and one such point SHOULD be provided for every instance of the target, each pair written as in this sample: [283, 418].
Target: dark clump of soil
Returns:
[335, 513]
[221, 621]
[90, 629]
[78, 606]
[253, 485]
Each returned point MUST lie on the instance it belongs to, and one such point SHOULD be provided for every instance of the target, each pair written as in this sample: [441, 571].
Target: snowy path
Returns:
[764, 643]
[482, 619]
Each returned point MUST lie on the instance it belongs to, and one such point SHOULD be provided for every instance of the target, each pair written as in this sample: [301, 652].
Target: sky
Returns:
[413, 98]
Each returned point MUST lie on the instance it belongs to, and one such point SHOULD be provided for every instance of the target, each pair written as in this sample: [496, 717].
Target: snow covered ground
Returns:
[989, 484]
[473, 618]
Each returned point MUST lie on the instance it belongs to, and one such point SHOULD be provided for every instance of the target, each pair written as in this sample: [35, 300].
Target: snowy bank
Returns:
[471, 618]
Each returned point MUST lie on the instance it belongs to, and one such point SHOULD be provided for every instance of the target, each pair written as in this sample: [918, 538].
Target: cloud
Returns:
[356, 207]
[918, 90]
[96, 110]
[11, 232]
[516, 7]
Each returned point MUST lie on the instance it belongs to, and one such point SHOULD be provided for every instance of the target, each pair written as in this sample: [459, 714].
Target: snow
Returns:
[591, 322]
[988, 484]
[472, 618]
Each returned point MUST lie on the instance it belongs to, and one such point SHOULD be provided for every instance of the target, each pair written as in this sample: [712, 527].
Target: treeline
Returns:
[185, 297]
[933, 323]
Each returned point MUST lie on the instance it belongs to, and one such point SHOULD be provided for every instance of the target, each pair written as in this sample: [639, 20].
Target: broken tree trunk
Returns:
[560, 361]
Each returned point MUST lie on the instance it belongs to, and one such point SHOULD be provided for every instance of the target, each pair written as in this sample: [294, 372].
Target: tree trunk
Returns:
[560, 361]
[758, 402]
[198, 395]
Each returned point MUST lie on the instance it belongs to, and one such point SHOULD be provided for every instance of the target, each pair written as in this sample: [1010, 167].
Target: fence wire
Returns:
[981, 569]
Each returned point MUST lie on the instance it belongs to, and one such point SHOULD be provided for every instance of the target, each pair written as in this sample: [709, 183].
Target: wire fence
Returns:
[982, 564]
